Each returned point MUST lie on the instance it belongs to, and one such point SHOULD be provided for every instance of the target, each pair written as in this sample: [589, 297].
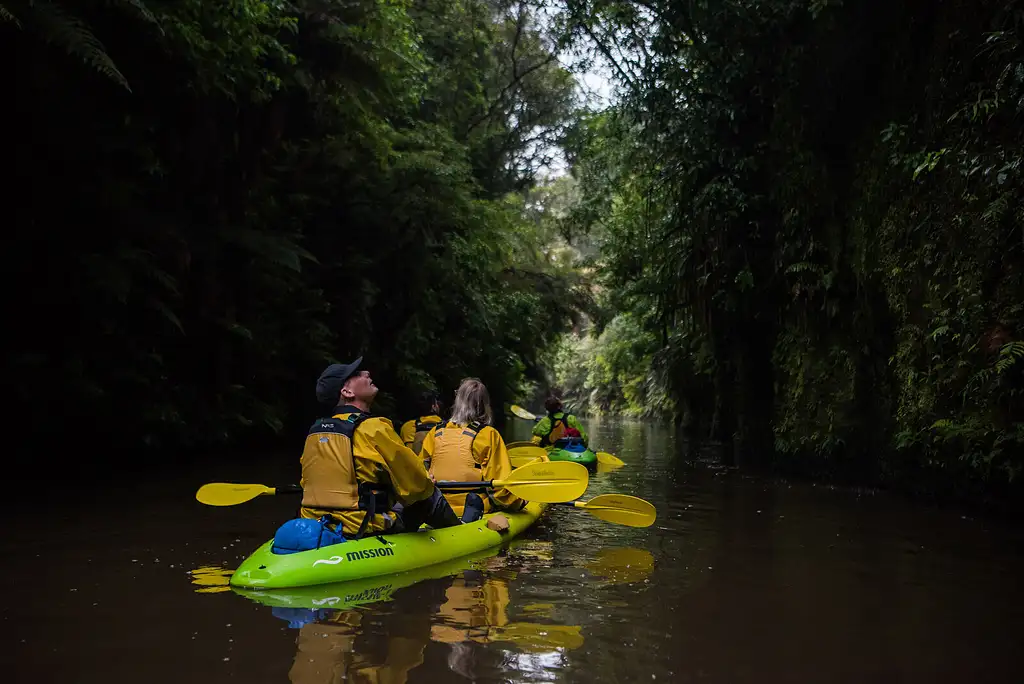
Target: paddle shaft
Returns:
[446, 484]
[540, 482]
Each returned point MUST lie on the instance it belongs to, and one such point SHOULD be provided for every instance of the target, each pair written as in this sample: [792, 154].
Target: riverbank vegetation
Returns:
[810, 215]
[798, 230]
[212, 201]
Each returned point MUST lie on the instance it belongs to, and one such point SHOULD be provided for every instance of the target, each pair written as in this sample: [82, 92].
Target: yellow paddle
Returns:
[230, 494]
[520, 412]
[542, 482]
[620, 509]
[604, 458]
[520, 460]
[526, 454]
[516, 445]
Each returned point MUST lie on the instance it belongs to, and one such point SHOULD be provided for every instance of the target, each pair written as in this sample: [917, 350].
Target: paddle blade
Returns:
[516, 445]
[228, 494]
[532, 450]
[604, 458]
[520, 460]
[522, 413]
[620, 509]
[547, 482]
[526, 454]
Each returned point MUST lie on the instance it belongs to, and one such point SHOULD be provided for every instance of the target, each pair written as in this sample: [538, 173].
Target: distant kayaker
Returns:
[467, 449]
[558, 424]
[414, 431]
[355, 466]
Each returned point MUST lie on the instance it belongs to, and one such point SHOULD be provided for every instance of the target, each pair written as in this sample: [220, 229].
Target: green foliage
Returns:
[613, 372]
[52, 23]
[286, 185]
[825, 198]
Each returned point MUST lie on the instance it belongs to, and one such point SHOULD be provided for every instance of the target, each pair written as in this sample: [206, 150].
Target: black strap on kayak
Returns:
[370, 497]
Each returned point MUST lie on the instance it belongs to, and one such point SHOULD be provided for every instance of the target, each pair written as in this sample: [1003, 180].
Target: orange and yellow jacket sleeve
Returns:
[378, 446]
[490, 452]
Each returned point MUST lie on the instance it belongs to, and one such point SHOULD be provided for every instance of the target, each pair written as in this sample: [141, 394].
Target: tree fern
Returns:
[5, 15]
[57, 26]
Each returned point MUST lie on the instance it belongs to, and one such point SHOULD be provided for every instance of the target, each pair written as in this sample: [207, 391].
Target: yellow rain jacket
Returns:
[413, 432]
[471, 453]
[349, 456]
[552, 427]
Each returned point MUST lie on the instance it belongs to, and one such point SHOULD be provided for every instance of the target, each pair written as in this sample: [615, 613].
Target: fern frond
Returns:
[803, 266]
[139, 8]
[58, 27]
[1009, 354]
[1013, 349]
[5, 15]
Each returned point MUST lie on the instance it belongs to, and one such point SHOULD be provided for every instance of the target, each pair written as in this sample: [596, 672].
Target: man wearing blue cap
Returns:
[355, 467]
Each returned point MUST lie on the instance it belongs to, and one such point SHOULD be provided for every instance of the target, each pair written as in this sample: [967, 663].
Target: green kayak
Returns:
[376, 556]
[344, 595]
[572, 450]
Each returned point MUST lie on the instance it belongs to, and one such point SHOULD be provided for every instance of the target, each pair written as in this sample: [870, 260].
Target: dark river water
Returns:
[739, 580]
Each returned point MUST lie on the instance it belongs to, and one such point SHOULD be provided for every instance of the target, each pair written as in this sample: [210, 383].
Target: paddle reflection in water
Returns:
[211, 579]
[624, 565]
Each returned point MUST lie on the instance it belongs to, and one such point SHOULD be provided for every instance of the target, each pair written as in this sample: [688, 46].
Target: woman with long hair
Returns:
[466, 449]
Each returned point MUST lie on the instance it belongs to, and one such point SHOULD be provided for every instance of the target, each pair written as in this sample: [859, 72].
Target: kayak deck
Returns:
[378, 555]
[344, 595]
[585, 457]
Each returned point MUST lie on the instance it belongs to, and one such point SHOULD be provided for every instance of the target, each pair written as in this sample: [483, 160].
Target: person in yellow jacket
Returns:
[355, 468]
[413, 432]
[557, 425]
[467, 449]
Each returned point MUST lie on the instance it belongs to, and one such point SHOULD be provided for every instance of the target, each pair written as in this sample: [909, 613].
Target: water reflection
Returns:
[740, 580]
[211, 579]
[464, 605]
[460, 604]
[624, 565]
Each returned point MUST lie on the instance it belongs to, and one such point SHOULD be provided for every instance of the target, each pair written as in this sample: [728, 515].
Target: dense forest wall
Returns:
[799, 230]
[813, 213]
[209, 202]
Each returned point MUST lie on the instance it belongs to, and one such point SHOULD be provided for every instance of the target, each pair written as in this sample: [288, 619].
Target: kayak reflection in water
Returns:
[355, 468]
[473, 609]
[468, 449]
[557, 425]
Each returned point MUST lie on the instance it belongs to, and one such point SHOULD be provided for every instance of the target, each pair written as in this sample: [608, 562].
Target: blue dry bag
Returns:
[303, 534]
[572, 444]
